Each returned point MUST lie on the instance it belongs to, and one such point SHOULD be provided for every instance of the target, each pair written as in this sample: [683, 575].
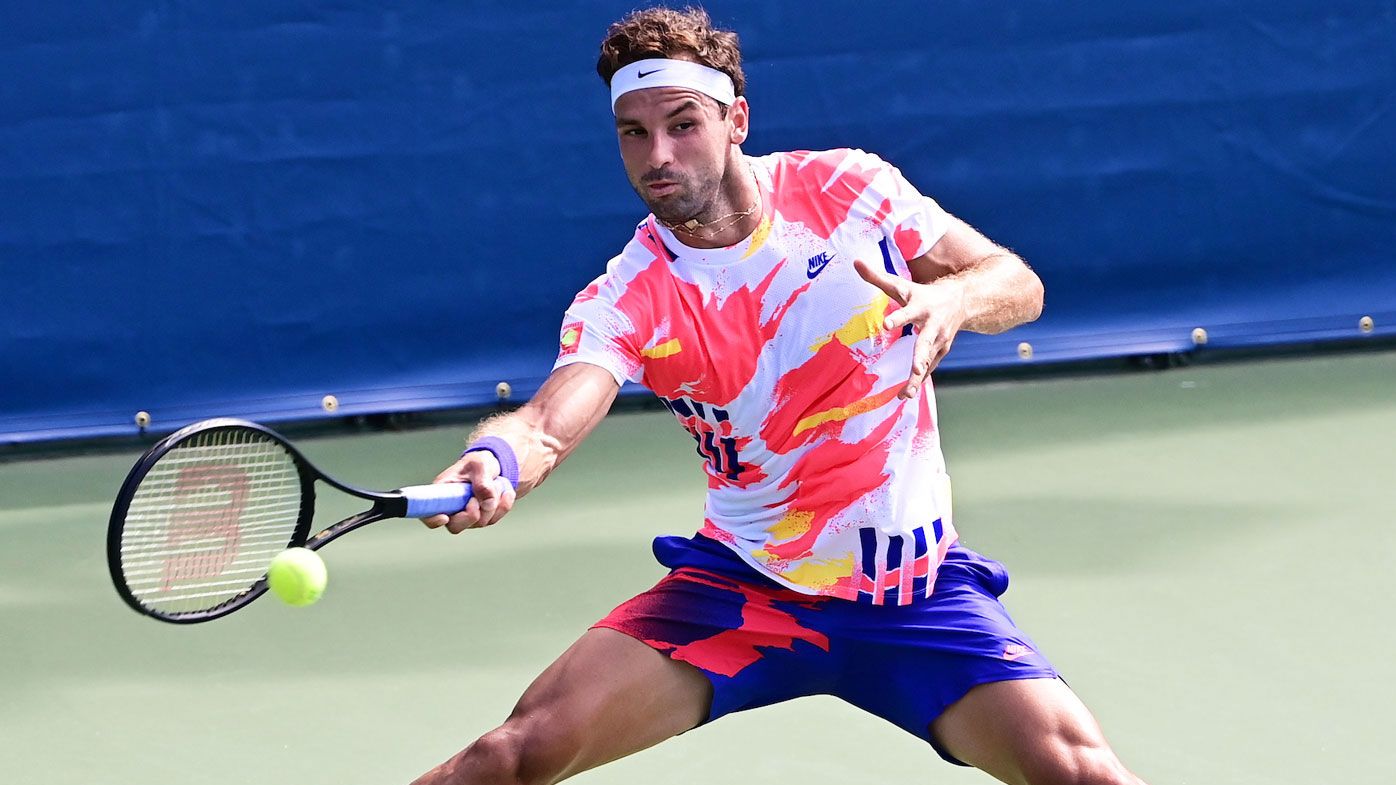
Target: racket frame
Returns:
[385, 505]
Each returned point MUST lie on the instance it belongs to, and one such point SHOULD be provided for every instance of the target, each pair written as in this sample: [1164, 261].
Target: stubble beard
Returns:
[694, 198]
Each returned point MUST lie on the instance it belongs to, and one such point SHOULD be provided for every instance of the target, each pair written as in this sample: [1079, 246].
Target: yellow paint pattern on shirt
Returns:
[795, 524]
[838, 413]
[758, 237]
[820, 573]
[669, 348]
[570, 337]
[863, 325]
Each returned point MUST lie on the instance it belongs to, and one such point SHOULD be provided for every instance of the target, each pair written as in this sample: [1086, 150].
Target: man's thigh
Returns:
[606, 697]
[1028, 730]
[609, 696]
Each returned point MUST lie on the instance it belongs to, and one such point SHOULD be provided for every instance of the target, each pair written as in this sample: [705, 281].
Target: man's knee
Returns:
[495, 758]
[1077, 764]
[516, 753]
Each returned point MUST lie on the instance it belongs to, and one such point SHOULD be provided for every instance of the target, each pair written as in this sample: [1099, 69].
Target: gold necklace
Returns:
[692, 225]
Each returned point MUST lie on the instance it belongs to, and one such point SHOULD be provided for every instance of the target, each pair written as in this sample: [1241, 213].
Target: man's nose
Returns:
[661, 152]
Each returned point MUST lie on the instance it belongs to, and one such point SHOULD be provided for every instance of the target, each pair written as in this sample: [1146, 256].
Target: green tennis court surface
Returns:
[1207, 554]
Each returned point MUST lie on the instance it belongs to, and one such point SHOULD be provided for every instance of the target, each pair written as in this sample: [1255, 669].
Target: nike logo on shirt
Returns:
[818, 263]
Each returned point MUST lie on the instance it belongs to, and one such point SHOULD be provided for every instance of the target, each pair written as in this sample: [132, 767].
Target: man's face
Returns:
[675, 142]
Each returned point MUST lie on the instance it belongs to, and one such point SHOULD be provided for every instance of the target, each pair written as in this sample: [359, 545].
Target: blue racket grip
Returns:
[446, 498]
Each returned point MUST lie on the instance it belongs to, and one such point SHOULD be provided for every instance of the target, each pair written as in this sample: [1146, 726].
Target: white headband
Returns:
[642, 74]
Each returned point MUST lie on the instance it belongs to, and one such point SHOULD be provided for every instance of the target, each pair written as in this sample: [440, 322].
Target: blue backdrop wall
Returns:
[237, 208]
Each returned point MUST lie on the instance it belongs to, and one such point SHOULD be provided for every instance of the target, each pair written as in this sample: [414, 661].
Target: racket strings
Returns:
[207, 519]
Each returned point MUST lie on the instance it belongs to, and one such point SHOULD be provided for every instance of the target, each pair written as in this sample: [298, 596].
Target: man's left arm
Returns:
[965, 282]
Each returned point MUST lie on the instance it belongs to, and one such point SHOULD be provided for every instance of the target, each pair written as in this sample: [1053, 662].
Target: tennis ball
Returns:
[297, 576]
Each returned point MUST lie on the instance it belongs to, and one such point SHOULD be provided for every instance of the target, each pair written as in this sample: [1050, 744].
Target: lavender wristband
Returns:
[500, 449]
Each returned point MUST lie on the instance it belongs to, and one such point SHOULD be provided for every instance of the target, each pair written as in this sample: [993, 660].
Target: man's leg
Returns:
[606, 697]
[1030, 732]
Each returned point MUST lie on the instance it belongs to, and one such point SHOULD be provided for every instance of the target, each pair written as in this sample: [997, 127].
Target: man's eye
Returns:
[684, 126]
[637, 132]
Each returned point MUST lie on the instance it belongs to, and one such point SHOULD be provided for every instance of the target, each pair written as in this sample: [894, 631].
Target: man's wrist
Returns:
[502, 452]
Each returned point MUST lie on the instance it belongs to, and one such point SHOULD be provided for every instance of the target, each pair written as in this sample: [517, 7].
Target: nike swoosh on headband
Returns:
[664, 72]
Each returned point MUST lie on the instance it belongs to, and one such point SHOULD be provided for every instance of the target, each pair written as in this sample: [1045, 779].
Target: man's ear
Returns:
[740, 116]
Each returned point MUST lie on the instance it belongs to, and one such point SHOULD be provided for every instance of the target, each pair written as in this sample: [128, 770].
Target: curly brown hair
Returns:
[665, 32]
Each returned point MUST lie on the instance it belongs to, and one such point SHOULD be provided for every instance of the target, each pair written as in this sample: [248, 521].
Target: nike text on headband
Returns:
[672, 73]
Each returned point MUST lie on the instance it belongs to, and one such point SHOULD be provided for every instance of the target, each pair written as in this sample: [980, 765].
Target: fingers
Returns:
[929, 350]
[490, 502]
[492, 496]
[899, 289]
[921, 355]
[936, 310]
[469, 518]
[896, 288]
[899, 319]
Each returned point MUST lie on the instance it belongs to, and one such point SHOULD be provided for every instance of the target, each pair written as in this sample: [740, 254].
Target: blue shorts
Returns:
[761, 643]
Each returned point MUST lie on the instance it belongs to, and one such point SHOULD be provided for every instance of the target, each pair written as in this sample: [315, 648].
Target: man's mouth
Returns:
[661, 187]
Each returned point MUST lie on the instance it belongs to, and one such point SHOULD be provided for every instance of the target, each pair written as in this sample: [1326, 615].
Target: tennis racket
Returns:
[204, 511]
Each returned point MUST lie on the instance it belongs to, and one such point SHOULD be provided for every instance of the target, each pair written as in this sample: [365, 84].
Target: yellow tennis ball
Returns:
[297, 576]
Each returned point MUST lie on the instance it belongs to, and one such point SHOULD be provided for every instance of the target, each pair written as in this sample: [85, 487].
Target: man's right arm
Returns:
[541, 433]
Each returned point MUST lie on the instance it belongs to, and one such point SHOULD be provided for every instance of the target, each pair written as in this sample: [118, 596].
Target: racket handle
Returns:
[443, 498]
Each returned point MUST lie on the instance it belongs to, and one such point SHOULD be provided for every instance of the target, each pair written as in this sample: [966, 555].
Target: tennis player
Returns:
[788, 310]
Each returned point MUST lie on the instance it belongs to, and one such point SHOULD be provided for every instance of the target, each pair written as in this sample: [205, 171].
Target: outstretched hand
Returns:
[936, 310]
[490, 499]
